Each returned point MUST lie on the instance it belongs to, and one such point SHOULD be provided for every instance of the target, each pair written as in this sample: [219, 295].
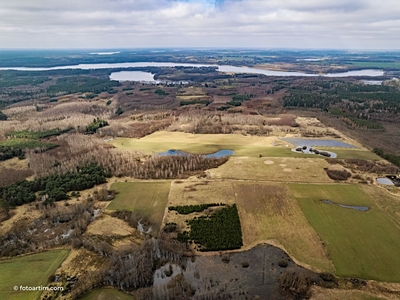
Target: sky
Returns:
[111, 24]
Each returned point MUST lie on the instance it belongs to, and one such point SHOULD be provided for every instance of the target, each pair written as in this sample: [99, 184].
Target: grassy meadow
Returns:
[360, 244]
[148, 198]
[269, 213]
[250, 146]
[283, 169]
[196, 143]
[30, 270]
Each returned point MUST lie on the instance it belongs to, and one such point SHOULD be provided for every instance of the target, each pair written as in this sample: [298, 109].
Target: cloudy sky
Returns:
[344, 24]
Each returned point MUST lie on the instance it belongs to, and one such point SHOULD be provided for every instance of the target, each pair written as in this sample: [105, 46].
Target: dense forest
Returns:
[220, 231]
[359, 105]
[17, 147]
[53, 187]
[394, 159]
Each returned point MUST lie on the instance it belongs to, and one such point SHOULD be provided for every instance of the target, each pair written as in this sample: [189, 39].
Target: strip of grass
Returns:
[360, 244]
[147, 198]
[373, 64]
[30, 270]
[106, 294]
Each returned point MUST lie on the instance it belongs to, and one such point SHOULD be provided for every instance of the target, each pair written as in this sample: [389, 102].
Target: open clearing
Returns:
[269, 212]
[107, 225]
[283, 169]
[197, 143]
[147, 198]
[360, 244]
[251, 146]
[106, 294]
[29, 270]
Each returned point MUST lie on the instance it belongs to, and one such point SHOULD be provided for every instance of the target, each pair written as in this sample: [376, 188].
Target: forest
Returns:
[357, 104]
[220, 231]
[52, 188]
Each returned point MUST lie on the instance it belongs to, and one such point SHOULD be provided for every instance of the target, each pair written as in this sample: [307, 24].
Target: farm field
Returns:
[200, 192]
[197, 143]
[273, 169]
[360, 244]
[385, 201]
[149, 198]
[106, 294]
[19, 271]
[269, 213]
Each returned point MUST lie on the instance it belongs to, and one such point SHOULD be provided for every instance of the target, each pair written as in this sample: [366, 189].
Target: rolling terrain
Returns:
[106, 189]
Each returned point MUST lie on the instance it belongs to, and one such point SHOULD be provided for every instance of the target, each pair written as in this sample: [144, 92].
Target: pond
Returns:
[356, 207]
[218, 154]
[317, 143]
[385, 181]
[311, 150]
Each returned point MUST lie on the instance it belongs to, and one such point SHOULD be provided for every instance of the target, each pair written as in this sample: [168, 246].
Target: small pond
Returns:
[356, 207]
[385, 181]
[317, 143]
[218, 154]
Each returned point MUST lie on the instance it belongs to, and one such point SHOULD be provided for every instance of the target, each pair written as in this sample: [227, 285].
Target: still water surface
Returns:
[220, 68]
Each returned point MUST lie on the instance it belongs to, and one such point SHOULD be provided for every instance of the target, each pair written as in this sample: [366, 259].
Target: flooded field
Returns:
[252, 274]
[356, 207]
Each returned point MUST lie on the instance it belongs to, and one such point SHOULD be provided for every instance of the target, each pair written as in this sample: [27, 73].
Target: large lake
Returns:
[145, 76]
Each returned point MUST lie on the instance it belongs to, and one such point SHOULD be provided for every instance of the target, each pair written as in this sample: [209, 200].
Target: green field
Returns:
[196, 143]
[251, 146]
[360, 244]
[30, 270]
[147, 198]
[106, 294]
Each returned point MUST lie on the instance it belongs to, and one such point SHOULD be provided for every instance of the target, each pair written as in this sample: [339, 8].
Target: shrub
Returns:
[226, 259]
[245, 264]
[338, 174]
[283, 263]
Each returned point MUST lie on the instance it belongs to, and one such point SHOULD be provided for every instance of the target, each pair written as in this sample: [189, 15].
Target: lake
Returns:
[218, 154]
[126, 76]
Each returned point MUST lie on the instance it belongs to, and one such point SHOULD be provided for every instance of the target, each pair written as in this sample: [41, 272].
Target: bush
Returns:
[283, 263]
[245, 264]
[226, 259]
[295, 284]
[338, 174]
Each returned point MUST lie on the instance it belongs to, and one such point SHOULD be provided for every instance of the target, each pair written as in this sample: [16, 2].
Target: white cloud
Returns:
[200, 23]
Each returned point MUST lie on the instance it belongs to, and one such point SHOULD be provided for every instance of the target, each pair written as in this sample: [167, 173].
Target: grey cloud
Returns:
[159, 23]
